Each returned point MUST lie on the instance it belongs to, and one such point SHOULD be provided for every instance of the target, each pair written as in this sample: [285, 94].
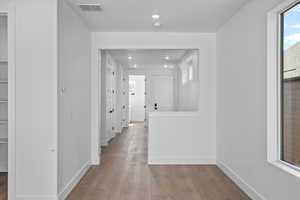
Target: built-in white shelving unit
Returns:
[3, 94]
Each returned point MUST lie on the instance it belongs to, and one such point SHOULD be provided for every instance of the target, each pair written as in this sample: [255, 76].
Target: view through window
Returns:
[290, 85]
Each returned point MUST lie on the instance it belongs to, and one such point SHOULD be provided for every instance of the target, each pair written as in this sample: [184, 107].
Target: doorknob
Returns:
[155, 106]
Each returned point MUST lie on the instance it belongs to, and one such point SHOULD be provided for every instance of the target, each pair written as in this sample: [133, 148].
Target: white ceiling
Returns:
[176, 15]
[145, 58]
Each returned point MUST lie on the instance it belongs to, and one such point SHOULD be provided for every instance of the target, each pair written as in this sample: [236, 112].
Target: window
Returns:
[290, 85]
[283, 86]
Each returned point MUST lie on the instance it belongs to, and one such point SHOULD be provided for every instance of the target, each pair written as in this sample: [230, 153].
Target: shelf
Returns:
[3, 82]
[3, 61]
[3, 101]
[3, 140]
[3, 121]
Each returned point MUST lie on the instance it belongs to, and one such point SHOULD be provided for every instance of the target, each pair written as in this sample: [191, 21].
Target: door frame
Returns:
[96, 89]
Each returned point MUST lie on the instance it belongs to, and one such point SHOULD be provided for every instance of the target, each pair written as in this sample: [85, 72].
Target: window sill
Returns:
[287, 168]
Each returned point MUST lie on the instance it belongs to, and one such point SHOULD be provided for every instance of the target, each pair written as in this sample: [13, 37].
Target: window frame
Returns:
[274, 87]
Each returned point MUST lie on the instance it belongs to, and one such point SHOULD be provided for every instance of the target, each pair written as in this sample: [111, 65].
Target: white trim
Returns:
[176, 41]
[274, 88]
[35, 197]
[104, 143]
[247, 188]
[183, 160]
[11, 102]
[291, 169]
[74, 181]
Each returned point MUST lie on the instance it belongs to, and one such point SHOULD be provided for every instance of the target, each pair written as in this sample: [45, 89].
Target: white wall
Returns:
[188, 145]
[74, 103]
[205, 42]
[137, 101]
[122, 99]
[110, 81]
[241, 106]
[36, 99]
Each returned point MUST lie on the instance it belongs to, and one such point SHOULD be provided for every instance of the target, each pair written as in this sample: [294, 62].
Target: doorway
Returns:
[136, 82]
[137, 98]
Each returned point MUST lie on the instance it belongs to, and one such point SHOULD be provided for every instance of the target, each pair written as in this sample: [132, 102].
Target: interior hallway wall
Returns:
[241, 105]
[75, 101]
[36, 99]
[111, 84]
[122, 99]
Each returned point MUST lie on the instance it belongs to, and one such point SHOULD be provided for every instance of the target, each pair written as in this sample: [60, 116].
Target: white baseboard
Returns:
[74, 181]
[104, 143]
[176, 160]
[35, 197]
[248, 189]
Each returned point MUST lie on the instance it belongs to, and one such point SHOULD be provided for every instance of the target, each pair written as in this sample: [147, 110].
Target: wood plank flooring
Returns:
[3, 186]
[125, 175]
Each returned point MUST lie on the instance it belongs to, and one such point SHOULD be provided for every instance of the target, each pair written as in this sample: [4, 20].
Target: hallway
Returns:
[125, 175]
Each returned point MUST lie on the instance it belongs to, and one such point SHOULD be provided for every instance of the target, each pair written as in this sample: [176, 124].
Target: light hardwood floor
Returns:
[125, 175]
[3, 186]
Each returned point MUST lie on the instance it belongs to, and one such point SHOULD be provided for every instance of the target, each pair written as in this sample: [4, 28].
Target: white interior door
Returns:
[161, 96]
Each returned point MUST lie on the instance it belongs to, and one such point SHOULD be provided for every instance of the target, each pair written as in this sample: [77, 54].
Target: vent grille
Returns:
[90, 7]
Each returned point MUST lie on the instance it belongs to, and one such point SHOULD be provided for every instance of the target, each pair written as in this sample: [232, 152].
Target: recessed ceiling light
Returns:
[167, 57]
[155, 16]
[134, 66]
[129, 57]
[157, 24]
[165, 66]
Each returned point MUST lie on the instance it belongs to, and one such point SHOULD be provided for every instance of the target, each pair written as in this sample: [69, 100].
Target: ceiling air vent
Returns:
[90, 7]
